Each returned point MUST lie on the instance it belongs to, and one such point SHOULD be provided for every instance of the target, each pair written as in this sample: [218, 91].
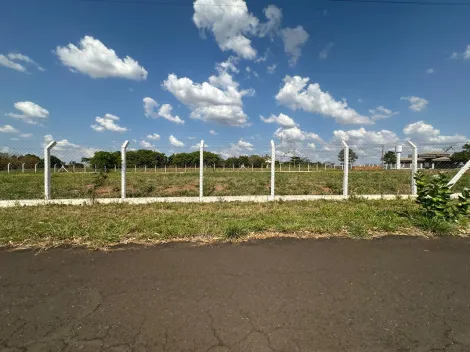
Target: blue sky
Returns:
[378, 74]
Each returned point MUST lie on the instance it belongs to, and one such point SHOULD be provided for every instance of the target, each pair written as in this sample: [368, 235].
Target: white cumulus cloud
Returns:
[295, 94]
[416, 104]
[363, 137]
[232, 26]
[154, 136]
[68, 151]
[381, 112]
[421, 132]
[430, 70]
[30, 112]
[295, 134]
[293, 39]
[93, 58]
[212, 132]
[230, 23]
[165, 111]
[281, 120]
[175, 142]
[465, 55]
[8, 129]
[107, 123]
[218, 100]
[146, 145]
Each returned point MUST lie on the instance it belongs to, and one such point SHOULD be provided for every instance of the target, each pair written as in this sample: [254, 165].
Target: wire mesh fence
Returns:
[237, 169]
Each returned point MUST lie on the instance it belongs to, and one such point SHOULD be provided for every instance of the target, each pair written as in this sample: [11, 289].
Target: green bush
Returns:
[434, 195]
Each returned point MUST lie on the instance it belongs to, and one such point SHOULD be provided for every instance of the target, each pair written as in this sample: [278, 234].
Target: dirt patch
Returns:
[218, 187]
[178, 189]
[325, 190]
[104, 190]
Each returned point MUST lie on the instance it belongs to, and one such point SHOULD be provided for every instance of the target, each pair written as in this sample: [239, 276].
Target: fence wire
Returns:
[229, 169]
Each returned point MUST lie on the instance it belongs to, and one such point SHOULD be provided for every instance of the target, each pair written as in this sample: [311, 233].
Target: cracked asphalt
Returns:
[392, 294]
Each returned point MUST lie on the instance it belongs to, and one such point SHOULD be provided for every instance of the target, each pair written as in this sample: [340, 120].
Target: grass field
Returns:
[216, 183]
[105, 225]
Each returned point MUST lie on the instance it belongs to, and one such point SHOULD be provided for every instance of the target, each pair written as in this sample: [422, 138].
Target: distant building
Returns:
[430, 161]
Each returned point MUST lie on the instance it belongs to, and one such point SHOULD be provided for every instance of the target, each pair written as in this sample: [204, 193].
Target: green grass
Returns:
[218, 183]
[104, 225]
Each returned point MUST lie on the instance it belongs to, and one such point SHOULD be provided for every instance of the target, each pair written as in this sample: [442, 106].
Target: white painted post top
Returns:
[412, 144]
[125, 144]
[398, 149]
[51, 145]
[344, 144]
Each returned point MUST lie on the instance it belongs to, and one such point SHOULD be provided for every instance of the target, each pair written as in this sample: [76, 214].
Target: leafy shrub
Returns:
[434, 195]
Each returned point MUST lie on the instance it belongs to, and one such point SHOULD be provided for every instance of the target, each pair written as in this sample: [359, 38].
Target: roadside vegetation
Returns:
[99, 226]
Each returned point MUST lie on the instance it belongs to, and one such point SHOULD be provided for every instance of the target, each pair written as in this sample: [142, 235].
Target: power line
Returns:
[160, 2]
[406, 2]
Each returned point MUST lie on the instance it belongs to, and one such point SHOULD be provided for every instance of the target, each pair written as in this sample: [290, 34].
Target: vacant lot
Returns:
[216, 183]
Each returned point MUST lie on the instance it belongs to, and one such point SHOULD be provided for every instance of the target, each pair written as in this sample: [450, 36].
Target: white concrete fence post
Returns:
[201, 170]
[22, 168]
[35, 167]
[123, 169]
[459, 174]
[414, 167]
[273, 169]
[345, 168]
[47, 170]
[8, 168]
[398, 150]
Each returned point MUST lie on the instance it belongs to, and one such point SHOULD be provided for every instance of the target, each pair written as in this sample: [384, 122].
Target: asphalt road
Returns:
[283, 295]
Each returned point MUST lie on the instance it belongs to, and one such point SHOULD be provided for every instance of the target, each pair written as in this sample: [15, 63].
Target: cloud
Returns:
[230, 23]
[416, 104]
[198, 145]
[212, 132]
[8, 129]
[94, 59]
[236, 149]
[272, 26]
[24, 58]
[326, 51]
[175, 142]
[295, 134]
[68, 151]
[311, 145]
[381, 112]
[293, 39]
[146, 145]
[154, 136]
[271, 69]
[26, 135]
[282, 120]
[363, 137]
[296, 95]
[191, 138]
[430, 70]
[165, 111]
[465, 55]
[6, 62]
[108, 123]
[421, 132]
[30, 112]
[218, 100]
[11, 59]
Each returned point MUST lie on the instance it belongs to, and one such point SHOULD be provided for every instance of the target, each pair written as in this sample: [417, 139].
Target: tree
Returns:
[104, 159]
[352, 156]
[463, 156]
[390, 158]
